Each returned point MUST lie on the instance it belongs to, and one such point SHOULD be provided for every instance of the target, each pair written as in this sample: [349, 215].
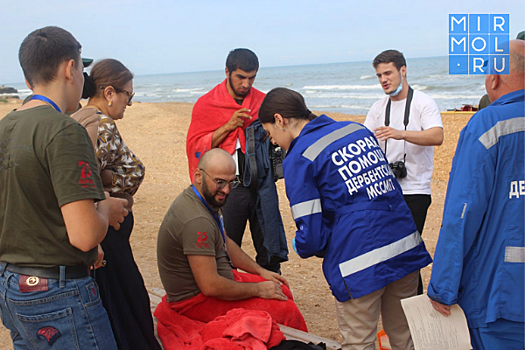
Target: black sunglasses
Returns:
[129, 94]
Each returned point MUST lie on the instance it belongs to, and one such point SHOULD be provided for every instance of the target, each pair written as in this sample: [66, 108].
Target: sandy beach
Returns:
[156, 132]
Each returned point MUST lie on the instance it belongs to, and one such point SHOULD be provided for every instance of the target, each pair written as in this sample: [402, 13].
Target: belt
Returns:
[72, 272]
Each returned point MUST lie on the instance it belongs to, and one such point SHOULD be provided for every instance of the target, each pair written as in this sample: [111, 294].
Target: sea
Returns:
[350, 87]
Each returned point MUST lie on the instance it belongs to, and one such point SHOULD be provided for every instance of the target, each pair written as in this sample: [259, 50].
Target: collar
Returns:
[511, 97]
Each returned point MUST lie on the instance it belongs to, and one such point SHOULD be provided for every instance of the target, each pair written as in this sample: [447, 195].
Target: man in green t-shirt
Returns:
[194, 254]
[50, 226]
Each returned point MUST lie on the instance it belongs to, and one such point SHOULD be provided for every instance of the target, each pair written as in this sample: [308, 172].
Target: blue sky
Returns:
[170, 36]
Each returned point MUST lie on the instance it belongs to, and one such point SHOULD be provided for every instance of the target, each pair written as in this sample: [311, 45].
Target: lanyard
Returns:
[45, 99]
[405, 120]
[219, 220]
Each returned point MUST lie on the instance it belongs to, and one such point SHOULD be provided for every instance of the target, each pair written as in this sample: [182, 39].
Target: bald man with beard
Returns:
[195, 254]
[480, 255]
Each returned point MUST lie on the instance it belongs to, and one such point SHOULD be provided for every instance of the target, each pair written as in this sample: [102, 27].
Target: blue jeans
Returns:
[69, 315]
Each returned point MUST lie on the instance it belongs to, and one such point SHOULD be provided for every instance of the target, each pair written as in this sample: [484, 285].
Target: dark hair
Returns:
[243, 59]
[390, 56]
[44, 50]
[288, 103]
[108, 72]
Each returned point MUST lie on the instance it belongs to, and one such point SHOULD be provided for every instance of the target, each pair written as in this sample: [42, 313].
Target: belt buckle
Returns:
[29, 284]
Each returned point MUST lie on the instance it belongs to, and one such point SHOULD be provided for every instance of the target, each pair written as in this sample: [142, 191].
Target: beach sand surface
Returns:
[156, 133]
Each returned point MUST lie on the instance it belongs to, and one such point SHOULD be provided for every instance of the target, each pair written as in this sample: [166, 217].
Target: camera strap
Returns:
[406, 119]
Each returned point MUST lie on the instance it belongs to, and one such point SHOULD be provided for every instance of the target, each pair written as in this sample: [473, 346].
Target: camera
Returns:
[399, 169]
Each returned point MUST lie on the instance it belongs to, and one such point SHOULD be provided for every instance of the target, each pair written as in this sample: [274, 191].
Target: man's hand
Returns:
[238, 118]
[386, 132]
[441, 308]
[270, 290]
[100, 259]
[274, 277]
[115, 210]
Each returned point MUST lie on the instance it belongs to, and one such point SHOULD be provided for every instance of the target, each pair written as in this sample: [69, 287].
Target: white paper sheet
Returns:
[431, 330]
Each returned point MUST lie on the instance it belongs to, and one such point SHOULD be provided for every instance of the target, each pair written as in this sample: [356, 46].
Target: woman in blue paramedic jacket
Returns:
[348, 208]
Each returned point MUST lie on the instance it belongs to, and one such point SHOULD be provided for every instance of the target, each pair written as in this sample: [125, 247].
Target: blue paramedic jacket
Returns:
[479, 256]
[348, 206]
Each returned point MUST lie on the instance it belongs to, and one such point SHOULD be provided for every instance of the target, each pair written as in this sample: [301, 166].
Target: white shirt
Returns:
[236, 158]
[424, 114]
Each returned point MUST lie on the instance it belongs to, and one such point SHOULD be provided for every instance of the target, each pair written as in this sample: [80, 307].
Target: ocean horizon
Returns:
[349, 87]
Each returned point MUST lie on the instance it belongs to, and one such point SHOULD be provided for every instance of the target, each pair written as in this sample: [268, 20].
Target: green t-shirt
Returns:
[188, 229]
[46, 161]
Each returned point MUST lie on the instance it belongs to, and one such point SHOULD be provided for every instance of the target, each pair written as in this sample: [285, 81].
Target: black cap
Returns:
[86, 62]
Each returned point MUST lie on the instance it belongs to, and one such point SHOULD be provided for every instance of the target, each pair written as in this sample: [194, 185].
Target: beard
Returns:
[209, 196]
[236, 92]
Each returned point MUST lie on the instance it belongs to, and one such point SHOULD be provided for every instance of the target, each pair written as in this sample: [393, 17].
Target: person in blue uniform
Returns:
[479, 259]
[348, 208]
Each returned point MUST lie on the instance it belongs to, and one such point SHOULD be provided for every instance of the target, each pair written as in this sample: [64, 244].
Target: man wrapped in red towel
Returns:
[219, 120]
[195, 256]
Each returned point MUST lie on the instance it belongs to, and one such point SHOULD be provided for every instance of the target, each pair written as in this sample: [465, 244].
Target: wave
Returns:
[191, 90]
[342, 87]
[314, 106]
[455, 97]
[366, 77]
[315, 94]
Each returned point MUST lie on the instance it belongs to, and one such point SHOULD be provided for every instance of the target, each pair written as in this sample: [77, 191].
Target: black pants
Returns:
[123, 292]
[418, 205]
[240, 208]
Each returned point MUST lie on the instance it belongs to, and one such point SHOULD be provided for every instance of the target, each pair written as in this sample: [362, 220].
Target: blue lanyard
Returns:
[45, 99]
[219, 220]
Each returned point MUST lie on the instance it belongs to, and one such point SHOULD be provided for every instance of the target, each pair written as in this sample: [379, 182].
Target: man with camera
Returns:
[407, 125]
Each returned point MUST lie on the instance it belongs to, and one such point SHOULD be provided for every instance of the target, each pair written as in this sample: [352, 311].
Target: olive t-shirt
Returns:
[188, 229]
[46, 161]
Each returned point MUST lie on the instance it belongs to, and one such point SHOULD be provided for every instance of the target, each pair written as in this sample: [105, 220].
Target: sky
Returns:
[172, 36]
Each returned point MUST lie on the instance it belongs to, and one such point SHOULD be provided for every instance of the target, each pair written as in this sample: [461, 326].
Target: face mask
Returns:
[399, 88]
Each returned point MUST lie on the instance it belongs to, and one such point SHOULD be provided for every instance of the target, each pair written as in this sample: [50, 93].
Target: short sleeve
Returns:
[199, 237]
[372, 118]
[72, 166]
[430, 116]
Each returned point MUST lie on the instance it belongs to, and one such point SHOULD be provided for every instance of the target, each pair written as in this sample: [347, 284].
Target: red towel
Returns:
[249, 323]
[212, 111]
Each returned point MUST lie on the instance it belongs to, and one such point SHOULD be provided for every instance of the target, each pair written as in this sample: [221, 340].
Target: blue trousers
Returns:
[501, 334]
[69, 315]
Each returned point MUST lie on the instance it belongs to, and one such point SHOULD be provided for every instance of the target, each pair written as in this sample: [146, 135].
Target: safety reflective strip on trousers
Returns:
[379, 255]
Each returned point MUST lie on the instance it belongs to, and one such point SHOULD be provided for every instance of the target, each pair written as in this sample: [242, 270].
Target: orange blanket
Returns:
[212, 111]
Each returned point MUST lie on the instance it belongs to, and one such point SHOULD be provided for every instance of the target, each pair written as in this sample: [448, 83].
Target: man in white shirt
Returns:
[407, 135]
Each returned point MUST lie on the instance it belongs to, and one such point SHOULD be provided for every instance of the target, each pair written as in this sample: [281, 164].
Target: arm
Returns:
[431, 125]
[236, 121]
[242, 261]
[204, 269]
[466, 203]
[121, 170]
[86, 225]
[429, 137]
[311, 236]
